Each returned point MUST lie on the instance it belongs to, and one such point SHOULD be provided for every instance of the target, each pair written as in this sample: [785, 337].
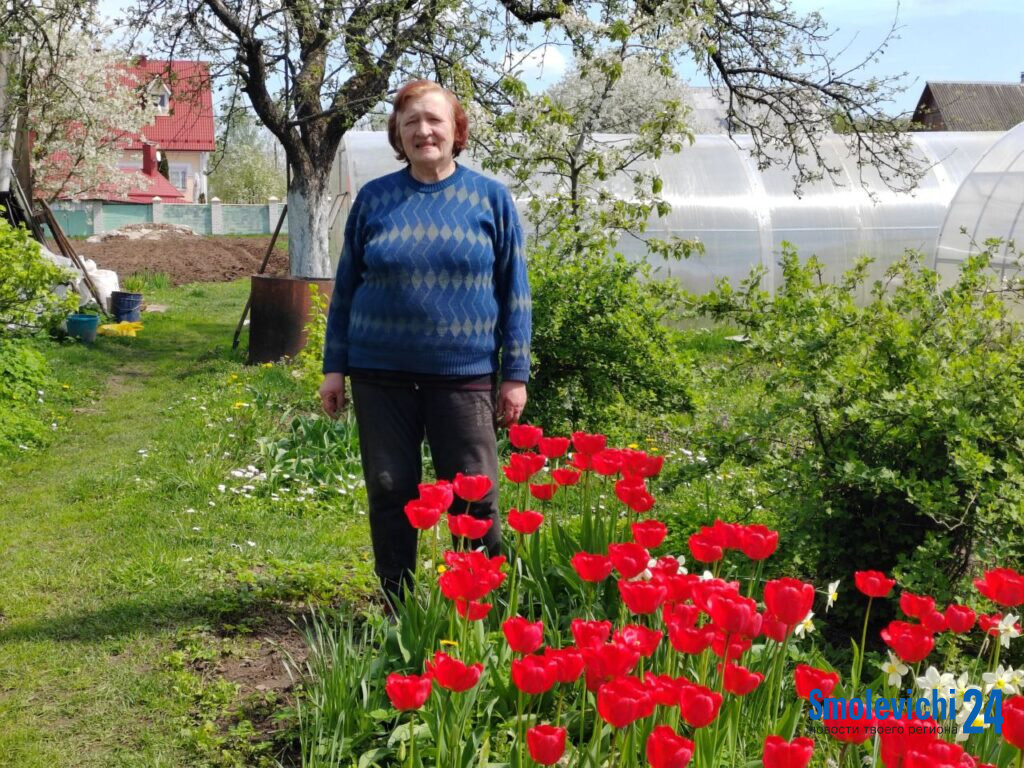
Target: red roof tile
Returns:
[189, 122]
[144, 189]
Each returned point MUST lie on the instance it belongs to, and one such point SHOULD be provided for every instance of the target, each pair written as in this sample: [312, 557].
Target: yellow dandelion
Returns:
[452, 643]
[441, 569]
[267, 365]
[240, 405]
[65, 386]
[633, 446]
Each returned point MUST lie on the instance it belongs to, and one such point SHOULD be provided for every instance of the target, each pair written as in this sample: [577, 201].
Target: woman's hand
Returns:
[511, 401]
[332, 394]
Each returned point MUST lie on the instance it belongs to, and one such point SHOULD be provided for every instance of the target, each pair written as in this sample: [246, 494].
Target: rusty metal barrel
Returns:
[280, 311]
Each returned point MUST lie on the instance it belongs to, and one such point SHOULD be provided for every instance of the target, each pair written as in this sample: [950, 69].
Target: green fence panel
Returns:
[245, 220]
[75, 223]
[195, 217]
[116, 215]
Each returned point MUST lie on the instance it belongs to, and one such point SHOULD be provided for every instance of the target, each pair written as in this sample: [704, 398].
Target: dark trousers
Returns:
[393, 418]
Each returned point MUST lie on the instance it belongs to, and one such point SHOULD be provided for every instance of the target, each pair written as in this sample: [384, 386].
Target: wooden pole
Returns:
[262, 269]
[69, 252]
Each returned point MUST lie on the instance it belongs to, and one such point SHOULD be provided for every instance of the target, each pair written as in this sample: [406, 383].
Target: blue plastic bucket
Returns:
[125, 307]
[83, 327]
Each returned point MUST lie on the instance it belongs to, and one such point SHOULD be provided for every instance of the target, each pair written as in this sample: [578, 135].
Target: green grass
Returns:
[117, 543]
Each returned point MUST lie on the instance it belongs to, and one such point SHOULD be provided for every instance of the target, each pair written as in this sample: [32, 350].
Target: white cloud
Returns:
[540, 66]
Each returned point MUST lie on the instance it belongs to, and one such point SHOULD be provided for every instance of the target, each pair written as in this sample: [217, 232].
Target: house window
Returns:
[160, 96]
[179, 176]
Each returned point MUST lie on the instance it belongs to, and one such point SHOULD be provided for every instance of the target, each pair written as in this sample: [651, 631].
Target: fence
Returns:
[94, 217]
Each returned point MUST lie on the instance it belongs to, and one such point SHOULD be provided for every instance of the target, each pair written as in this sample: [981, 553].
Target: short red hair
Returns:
[413, 90]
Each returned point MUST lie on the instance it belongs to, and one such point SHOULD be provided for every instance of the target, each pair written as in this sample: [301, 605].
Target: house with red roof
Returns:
[183, 132]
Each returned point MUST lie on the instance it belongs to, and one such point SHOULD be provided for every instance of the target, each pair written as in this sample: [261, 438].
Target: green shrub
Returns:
[890, 434]
[27, 280]
[23, 376]
[601, 350]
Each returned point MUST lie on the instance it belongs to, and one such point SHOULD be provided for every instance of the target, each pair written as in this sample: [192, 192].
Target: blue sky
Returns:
[937, 40]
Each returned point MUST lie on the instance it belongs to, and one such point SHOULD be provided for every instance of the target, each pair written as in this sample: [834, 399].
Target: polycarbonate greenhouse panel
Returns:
[743, 215]
[989, 204]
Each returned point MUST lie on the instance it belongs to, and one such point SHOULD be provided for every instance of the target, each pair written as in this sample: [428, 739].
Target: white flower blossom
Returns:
[1000, 680]
[806, 626]
[833, 593]
[1008, 629]
[895, 669]
[934, 680]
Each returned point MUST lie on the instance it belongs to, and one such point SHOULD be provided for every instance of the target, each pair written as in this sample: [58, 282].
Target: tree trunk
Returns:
[308, 214]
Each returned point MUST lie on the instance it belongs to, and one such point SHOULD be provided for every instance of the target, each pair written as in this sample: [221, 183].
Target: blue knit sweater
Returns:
[432, 279]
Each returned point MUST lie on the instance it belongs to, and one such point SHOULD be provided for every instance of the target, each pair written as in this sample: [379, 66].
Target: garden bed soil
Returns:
[185, 257]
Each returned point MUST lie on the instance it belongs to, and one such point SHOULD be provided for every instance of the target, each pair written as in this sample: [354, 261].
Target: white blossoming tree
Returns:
[82, 105]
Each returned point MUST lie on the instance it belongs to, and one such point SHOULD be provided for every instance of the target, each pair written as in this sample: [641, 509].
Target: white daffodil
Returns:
[960, 688]
[895, 669]
[934, 680]
[706, 576]
[833, 593]
[1000, 680]
[806, 626]
[1008, 629]
[961, 721]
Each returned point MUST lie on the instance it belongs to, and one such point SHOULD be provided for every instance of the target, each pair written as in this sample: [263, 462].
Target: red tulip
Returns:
[472, 610]
[758, 542]
[691, 641]
[789, 599]
[1013, 721]
[527, 462]
[607, 662]
[629, 558]
[772, 628]
[624, 701]
[420, 515]
[407, 691]
[634, 495]
[989, 623]
[546, 743]
[624, 489]
[607, 462]
[641, 639]
[581, 461]
[471, 487]
[591, 568]
[911, 642]
[934, 622]
[917, 606]
[439, 494]
[873, 583]
[663, 688]
[568, 663]
[704, 550]
[642, 596]
[738, 645]
[699, 705]
[543, 491]
[683, 614]
[725, 535]
[910, 736]
[565, 476]
[740, 680]
[589, 633]
[526, 521]
[533, 674]
[807, 679]
[453, 674]
[652, 466]
[524, 436]
[779, 753]
[469, 527]
[649, 533]
[588, 444]
[523, 636]
[1002, 585]
[553, 447]
[735, 615]
[516, 474]
[960, 618]
[667, 749]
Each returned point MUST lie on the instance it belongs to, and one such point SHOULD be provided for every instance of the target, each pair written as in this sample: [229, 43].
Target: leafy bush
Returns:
[23, 375]
[600, 347]
[27, 280]
[890, 434]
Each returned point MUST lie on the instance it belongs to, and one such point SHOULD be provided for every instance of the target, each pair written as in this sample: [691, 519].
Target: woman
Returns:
[431, 287]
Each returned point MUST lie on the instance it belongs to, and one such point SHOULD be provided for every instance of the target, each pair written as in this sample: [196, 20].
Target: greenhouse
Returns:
[743, 215]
